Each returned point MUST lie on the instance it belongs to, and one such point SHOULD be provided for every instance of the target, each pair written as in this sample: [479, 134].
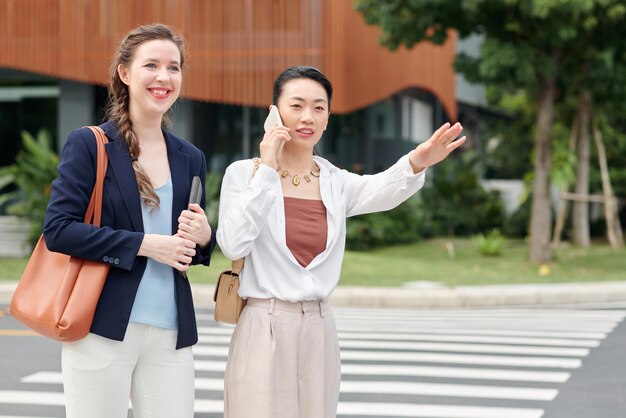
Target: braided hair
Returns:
[119, 98]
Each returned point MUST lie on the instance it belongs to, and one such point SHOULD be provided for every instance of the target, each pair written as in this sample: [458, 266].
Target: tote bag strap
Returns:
[94, 210]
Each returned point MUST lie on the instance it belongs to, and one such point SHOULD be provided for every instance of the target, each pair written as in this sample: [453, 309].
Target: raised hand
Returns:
[271, 143]
[437, 148]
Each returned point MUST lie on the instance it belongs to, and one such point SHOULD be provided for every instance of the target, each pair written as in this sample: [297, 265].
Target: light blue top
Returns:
[155, 303]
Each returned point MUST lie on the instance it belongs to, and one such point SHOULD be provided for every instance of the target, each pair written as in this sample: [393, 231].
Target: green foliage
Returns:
[509, 152]
[509, 146]
[212, 188]
[613, 129]
[522, 39]
[32, 173]
[563, 164]
[551, 49]
[456, 204]
[490, 245]
[403, 224]
[516, 224]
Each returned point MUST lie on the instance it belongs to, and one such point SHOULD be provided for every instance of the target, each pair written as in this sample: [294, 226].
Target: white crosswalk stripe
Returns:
[403, 363]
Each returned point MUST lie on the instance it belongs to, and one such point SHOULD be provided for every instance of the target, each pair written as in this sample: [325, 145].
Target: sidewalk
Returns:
[457, 297]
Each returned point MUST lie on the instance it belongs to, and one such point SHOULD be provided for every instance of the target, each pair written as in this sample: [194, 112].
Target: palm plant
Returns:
[31, 176]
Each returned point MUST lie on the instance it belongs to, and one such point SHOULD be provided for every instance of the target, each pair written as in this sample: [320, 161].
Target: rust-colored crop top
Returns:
[306, 228]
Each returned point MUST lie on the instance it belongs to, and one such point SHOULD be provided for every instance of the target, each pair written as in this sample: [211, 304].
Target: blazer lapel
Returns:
[179, 170]
[119, 161]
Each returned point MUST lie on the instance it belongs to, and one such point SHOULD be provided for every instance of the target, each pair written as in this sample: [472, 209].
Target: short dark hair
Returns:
[294, 73]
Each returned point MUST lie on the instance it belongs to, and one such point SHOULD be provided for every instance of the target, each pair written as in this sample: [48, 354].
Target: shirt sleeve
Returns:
[382, 191]
[245, 203]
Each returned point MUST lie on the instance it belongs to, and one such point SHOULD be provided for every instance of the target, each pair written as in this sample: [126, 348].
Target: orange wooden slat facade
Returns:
[236, 47]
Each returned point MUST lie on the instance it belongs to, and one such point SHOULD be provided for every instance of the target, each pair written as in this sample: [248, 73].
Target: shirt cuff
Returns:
[264, 175]
[407, 168]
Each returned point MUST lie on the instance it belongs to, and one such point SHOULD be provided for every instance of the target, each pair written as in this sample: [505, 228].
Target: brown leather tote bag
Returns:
[57, 294]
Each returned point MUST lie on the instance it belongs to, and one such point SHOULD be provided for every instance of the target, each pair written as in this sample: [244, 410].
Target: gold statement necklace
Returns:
[315, 172]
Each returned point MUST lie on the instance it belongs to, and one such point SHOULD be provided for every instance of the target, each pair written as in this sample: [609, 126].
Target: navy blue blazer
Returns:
[118, 239]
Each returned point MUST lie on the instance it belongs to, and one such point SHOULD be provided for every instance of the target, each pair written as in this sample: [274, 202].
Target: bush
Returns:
[516, 225]
[403, 224]
[32, 173]
[490, 244]
[212, 188]
[455, 202]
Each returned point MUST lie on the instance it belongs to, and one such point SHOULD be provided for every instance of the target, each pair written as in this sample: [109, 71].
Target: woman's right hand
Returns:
[173, 251]
[271, 143]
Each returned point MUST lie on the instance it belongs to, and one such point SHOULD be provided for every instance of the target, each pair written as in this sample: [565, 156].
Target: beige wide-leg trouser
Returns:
[283, 362]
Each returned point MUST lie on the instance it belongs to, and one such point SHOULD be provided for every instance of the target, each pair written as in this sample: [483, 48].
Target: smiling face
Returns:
[303, 106]
[153, 78]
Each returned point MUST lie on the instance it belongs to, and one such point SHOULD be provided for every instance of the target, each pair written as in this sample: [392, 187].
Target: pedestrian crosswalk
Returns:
[409, 363]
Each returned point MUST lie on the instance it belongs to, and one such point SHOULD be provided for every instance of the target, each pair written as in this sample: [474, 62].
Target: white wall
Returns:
[466, 92]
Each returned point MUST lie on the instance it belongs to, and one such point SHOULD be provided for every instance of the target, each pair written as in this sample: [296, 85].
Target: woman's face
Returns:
[303, 107]
[154, 78]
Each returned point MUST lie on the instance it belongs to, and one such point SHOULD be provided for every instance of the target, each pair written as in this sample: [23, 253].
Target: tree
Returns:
[527, 44]
[592, 80]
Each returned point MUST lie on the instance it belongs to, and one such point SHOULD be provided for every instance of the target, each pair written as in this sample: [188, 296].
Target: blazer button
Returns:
[117, 261]
[105, 259]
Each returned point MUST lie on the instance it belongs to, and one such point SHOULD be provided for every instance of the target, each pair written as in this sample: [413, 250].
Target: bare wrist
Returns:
[270, 163]
[144, 248]
[415, 165]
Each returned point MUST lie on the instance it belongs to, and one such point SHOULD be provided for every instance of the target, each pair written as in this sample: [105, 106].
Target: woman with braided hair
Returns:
[140, 342]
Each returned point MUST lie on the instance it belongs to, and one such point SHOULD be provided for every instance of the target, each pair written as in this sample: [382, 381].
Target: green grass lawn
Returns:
[430, 260]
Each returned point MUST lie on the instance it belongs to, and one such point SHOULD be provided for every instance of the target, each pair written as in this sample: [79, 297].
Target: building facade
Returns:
[56, 54]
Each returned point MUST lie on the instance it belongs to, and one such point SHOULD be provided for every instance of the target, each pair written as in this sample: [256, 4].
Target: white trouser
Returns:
[100, 375]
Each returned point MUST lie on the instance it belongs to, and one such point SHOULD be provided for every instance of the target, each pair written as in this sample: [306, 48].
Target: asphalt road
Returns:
[475, 363]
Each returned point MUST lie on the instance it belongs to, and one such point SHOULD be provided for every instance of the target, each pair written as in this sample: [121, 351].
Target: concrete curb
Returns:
[457, 297]
[482, 296]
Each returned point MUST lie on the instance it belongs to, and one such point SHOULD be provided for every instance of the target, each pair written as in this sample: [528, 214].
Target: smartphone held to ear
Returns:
[273, 120]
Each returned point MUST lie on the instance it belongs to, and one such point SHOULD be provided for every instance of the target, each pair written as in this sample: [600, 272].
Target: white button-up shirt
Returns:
[252, 224]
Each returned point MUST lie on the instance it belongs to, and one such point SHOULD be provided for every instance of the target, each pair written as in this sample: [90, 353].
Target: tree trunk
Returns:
[541, 216]
[613, 226]
[580, 216]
